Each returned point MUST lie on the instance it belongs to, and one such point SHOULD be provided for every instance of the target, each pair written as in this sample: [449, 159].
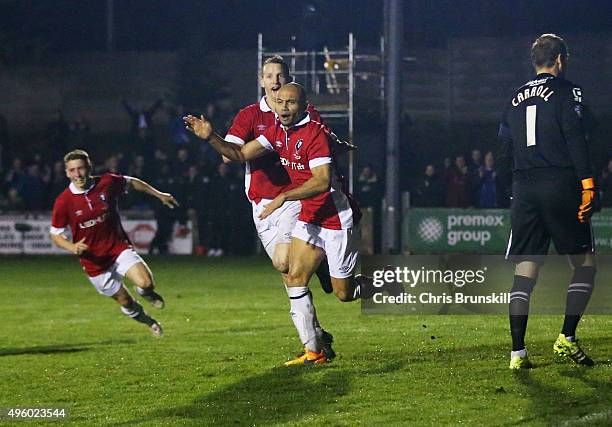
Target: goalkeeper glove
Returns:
[590, 200]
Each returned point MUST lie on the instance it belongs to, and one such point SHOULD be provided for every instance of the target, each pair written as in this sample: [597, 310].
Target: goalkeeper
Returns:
[544, 143]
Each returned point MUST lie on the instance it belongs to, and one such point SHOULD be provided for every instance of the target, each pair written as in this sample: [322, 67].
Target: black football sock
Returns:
[363, 287]
[519, 309]
[145, 291]
[136, 312]
[578, 295]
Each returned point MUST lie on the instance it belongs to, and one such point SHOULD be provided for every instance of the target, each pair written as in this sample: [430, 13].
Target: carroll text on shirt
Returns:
[541, 91]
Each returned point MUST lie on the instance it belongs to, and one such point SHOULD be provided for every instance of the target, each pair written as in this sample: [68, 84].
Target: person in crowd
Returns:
[13, 202]
[486, 183]
[33, 188]
[475, 162]
[458, 184]
[196, 188]
[368, 188]
[429, 191]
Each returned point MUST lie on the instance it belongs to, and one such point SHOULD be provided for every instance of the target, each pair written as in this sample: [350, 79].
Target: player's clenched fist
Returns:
[201, 127]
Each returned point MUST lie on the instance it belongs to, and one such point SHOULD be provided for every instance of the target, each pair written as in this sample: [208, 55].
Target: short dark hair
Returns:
[78, 155]
[277, 59]
[545, 50]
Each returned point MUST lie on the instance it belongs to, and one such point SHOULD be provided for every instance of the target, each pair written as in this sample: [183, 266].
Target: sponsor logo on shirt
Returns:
[92, 222]
[293, 165]
[539, 81]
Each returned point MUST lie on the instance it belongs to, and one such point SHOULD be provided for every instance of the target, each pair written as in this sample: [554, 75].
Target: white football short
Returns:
[277, 228]
[340, 246]
[109, 282]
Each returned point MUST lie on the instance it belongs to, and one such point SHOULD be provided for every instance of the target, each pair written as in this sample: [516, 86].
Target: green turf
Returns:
[227, 333]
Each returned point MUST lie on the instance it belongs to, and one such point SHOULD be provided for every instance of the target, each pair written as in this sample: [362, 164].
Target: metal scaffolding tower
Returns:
[329, 78]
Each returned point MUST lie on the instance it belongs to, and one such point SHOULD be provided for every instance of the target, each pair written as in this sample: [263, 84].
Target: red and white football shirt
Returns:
[264, 177]
[302, 147]
[93, 214]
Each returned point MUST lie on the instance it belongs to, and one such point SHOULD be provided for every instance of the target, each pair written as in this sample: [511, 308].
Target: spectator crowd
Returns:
[461, 183]
[210, 191]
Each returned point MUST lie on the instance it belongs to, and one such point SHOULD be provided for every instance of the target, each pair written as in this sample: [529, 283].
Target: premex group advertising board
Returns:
[480, 231]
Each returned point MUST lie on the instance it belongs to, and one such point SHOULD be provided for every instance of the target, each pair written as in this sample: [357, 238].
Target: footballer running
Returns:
[89, 206]
[265, 178]
[326, 224]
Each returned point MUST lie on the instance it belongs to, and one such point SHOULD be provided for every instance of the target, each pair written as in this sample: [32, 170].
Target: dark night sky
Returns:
[79, 25]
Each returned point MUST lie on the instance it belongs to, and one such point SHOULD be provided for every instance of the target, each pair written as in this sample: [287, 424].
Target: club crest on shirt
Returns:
[78, 213]
[279, 144]
[261, 128]
[103, 198]
[298, 144]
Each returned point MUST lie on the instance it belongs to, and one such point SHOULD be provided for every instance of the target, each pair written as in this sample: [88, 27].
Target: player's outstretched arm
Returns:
[166, 198]
[203, 128]
[340, 145]
[319, 183]
[62, 242]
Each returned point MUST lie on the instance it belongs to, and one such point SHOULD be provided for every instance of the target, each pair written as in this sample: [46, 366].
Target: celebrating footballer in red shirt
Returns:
[265, 178]
[325, 225]
[89, 207]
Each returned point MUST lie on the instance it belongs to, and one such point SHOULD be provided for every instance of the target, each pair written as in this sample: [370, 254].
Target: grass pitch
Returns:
[227, 333]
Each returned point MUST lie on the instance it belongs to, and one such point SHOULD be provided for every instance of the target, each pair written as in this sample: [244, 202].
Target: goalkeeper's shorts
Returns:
[544, 208]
